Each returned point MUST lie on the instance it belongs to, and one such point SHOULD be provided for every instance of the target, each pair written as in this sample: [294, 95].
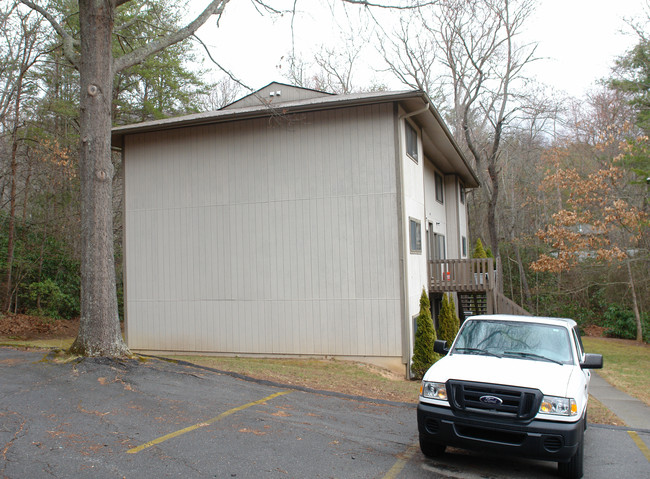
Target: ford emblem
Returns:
[491, 400]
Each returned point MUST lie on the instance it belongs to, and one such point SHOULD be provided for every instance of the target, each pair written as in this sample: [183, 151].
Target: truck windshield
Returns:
[530, 341]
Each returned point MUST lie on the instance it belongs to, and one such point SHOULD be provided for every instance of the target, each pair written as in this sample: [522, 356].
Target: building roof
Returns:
[276, 93]
[437, 141]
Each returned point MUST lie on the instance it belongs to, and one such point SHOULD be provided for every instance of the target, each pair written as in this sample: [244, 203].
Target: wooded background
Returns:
[565, 181]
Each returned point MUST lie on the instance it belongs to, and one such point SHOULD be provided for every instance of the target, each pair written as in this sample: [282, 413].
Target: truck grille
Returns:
[506, 401]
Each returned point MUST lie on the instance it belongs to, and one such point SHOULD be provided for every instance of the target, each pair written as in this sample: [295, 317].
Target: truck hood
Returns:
[550, 378]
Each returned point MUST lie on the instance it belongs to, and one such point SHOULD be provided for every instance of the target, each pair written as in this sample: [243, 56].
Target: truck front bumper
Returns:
[546, 440]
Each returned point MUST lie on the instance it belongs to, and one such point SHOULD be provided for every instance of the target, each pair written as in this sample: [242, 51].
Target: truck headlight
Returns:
[558, 406]
[433, 390]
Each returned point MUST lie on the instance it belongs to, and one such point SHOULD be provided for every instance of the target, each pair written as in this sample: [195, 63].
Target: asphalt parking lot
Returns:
[156, 419]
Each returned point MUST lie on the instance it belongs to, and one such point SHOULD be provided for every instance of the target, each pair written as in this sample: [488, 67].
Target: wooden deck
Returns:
[463, 275]
[472, 277]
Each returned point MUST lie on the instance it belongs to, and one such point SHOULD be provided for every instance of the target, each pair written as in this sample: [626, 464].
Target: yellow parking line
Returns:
[640, 444]
[404, 458]
[203, 424]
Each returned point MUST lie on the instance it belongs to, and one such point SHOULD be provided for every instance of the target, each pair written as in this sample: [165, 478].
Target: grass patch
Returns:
[598, 413]
[626, 365]
[58, 343]
[329, 375]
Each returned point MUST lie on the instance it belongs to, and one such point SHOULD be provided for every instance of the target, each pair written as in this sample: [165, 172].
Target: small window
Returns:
[439, 184]
[416, 235]
[461, 186]
[441, 249]
[463, 243]
[411, 141]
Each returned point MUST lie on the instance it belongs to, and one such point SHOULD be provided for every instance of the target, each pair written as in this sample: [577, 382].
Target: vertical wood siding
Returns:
[264, 236]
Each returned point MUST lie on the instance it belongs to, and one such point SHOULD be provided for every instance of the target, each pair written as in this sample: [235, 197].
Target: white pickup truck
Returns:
[510, 384]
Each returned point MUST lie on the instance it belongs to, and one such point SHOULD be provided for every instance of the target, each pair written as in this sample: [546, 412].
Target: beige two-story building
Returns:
[292, 222]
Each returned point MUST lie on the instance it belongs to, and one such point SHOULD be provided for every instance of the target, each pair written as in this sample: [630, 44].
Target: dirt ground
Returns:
[22, 326]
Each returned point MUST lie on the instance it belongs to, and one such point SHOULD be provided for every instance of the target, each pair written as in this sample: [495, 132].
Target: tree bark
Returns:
[99, 328]
[635, 305]
[524, 281]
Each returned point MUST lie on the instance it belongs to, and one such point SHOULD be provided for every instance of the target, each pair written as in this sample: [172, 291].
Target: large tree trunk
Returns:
[99, 329]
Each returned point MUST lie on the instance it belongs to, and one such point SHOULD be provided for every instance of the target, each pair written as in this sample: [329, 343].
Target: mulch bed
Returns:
[22, 326]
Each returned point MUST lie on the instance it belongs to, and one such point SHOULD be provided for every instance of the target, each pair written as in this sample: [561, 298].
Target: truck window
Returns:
[578, 341]
[515, 338]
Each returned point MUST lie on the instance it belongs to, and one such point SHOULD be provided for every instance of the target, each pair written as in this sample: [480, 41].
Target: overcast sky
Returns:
[578, 40]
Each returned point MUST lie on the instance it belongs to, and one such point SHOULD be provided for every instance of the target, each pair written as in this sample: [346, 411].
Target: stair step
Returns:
[473, 303]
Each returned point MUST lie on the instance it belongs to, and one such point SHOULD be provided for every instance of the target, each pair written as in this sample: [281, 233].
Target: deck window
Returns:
[464, 246]
[439, 184]
[415, 228]
[411, 141]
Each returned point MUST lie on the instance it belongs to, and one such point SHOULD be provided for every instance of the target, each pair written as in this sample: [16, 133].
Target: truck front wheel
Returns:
[573, 468]
[431, 449]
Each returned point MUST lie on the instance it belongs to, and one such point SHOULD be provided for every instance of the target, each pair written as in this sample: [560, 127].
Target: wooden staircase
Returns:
[473, 303]
[480, 303]
[477, 282]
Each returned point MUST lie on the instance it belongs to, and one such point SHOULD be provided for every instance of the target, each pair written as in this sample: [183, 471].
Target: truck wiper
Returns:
[532, 355]
[477, 351]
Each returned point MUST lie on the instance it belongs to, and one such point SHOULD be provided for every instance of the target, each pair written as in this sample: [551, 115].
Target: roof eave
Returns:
[434, 121]
[220, 116]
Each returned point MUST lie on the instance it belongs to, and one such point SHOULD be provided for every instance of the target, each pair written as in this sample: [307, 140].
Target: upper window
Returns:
[416, 235]
[439, 193]
[411, 141]
[461, 186]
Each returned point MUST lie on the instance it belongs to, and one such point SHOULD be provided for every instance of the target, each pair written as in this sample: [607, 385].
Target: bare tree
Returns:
[333, 65]
[330, 71]
[411, 56]
[22, 53]
[222, 93]
[478, 65]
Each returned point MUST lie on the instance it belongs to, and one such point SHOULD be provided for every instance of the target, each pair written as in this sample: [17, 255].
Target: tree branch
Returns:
[366, 3]
[68, 41]
[227, 72]
[216, 7]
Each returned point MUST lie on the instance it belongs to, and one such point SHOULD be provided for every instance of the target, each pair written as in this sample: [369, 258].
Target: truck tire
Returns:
[431, 449]
[573, 468]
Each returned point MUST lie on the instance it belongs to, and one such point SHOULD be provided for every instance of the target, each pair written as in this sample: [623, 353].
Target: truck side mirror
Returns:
[440, 347]
[592, 361]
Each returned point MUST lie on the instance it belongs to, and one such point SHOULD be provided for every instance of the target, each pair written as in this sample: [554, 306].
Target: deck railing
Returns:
[505, 305]
[463, 275]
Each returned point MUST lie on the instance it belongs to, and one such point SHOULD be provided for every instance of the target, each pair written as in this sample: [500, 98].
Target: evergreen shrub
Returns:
[620, 323]
[50, 301]
[425, 336]
[479, 250]
[448, 322]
